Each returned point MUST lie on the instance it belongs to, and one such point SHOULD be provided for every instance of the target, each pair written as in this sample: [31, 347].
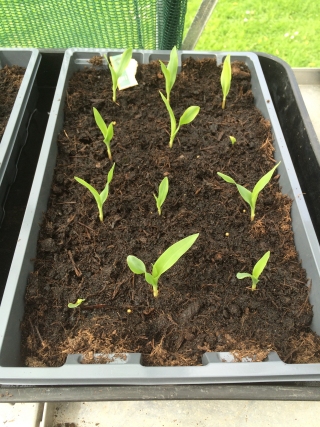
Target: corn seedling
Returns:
[170, 72]
[225, 79]
[163, 263]
[248, 196]
[162, 193]
[76, 304]
[257, 270]
[232, 139]
[118, 71]
[107, 131]
[102, 197]
[187, 117]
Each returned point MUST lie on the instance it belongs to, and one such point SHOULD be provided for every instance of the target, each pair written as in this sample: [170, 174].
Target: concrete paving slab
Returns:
[186, 413]
[309, 84]
[21, 414]
[311, 97]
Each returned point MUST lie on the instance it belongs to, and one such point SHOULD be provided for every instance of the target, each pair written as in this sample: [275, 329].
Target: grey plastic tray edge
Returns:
[132, 372]
[14, 136]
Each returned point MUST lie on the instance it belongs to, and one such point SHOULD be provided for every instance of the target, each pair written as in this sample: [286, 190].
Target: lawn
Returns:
[285, 28]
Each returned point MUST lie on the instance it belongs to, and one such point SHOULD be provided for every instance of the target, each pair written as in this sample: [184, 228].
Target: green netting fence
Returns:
[140, 24]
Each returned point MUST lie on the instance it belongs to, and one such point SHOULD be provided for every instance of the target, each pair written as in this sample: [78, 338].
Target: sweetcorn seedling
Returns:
[170, 72]
[117, 72]
[257, 270]
[187, 117]
[232, 139]
[107, 131]
[163, 263]
[102, 197]
[248, 196]
[225, 79]
[162, 193]
[76, 304]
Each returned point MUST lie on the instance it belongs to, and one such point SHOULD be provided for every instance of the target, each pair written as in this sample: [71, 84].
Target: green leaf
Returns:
[260, 265]
[173, 66]
[114, 82]
[227, 178]
[125, 59]
[110, 173]
[166, 74]
[262, 183]
[105, 193]
[112, 71]
[172, 119]
[109, 134]
[189, 115]
[170, 72]
[136, 265]
[245, 194]
[172, 255]
[92, 190]
[162, 193]
[243, 275]
[232, 139]
[168, 106]
[151, 280]
[76, 304]
[226, 77]
[163, 189]
[100, 122]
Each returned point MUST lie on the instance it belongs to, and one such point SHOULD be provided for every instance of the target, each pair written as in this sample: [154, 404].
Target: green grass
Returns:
[288, 29]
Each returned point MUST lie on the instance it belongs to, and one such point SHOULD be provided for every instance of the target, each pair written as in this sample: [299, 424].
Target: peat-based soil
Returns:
[10, 81]
[202, 306]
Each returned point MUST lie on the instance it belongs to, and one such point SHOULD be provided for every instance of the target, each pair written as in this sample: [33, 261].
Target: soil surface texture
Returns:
[10, 81]
[201, 306]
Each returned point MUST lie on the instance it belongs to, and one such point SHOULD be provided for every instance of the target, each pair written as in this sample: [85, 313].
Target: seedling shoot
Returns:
[102, 197]
[76, 304]
[248, 196]
[162, 193]
[118, 71]
[163, 263]
[226, 79]
[233, 140]
[257, 270]
[187, 117]
[170, 72]
[107, 131]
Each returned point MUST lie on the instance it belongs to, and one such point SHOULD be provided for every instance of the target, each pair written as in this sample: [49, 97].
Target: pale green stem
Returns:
[109, 153]
[254, 283]
[173, 135]
[114, 90]
[100, 214]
